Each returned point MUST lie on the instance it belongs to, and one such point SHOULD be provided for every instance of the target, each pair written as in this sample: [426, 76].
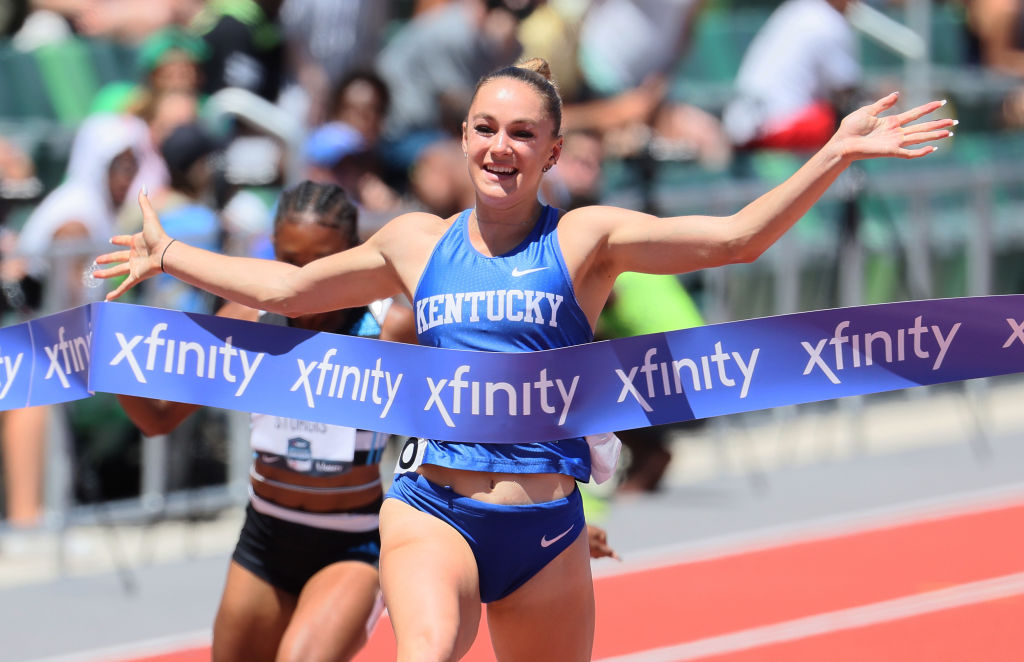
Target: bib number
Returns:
[411, 456]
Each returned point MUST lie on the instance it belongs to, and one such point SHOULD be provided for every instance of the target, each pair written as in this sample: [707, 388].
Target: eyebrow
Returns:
[488, 116]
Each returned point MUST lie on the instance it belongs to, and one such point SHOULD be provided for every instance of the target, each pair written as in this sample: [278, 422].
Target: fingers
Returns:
[924, 136]
[917, 153]
[147, 209]
[932, 125]
[113, 272]
[112, 258]
[149, 216]
[601, 551]
[121, 289]
[885, 103]
[920, 111]
[121, 240]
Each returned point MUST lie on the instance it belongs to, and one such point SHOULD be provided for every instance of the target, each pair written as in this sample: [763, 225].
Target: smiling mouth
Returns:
[501, 171]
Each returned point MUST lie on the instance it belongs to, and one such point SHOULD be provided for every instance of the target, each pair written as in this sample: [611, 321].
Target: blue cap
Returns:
[332, 142]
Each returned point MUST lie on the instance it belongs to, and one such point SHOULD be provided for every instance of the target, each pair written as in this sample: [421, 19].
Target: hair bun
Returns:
[538, 65]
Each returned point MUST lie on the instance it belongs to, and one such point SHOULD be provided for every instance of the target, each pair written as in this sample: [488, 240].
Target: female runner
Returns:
[501, 523]
[302, 583]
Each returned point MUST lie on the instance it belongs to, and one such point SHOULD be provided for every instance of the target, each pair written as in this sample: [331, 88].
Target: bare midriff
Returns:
[501, 488]
[318, 502]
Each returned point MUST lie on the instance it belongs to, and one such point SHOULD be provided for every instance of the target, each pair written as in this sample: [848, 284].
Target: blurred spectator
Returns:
[247, 190]
[431, 67]
[576, 179]
[56, 243]
[422, 6]
[796, 77]
[104, 162]
[18, 181]
[551, 32]
[361, 99]
[167, 61]
[46, 22]
[21, 430]
[614, 62]
[187, 211]
[345, 151]
[132, 21]
[995, 31]
[326, 40]
[166, 96]
[162, 114]
[622, 43]
[338, 153]
[439, 180]
[12, 16]
[432, 64]
[126, 21]
[245, 47]
[167, 111]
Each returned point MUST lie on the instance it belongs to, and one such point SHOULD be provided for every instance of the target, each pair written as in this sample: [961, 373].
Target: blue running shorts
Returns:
[511, 543]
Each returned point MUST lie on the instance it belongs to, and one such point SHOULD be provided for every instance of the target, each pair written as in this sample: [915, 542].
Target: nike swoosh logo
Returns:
[516, 273]
[544, 542]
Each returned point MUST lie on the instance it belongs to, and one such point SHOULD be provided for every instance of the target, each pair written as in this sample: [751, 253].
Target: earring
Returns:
[546, 168]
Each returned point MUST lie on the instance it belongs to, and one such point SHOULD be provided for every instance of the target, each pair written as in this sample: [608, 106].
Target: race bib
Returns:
[306, 446]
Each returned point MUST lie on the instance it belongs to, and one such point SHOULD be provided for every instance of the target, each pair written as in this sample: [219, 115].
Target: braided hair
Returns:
[328, 204]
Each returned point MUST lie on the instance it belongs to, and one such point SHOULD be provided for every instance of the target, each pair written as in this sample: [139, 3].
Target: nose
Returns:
[501, 143]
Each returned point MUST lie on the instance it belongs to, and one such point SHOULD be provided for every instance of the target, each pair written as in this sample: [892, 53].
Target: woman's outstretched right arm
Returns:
[354, 277]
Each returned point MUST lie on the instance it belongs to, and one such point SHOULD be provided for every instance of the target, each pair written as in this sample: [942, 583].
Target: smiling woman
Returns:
[466, 523]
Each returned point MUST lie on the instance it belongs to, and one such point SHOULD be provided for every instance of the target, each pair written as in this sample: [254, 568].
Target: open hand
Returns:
[865, 133]
[142, 257]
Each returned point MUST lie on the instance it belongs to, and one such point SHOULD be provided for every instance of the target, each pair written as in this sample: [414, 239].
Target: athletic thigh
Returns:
[330, 620]
[429, 578]
[550, 617]
[252, 618]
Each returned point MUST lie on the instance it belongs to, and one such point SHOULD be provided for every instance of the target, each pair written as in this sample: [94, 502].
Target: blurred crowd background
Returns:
[672, 106]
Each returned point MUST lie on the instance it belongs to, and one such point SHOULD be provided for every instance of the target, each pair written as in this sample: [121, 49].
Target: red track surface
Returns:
[944, 588]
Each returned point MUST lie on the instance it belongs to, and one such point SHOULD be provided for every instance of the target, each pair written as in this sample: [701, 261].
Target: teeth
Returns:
[503, 171]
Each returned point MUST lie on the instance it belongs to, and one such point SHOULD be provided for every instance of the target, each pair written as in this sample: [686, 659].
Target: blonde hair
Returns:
[535, 72]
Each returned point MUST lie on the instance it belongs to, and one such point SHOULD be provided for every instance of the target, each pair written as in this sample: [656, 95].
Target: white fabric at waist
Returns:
[604, 455]
[351, 522]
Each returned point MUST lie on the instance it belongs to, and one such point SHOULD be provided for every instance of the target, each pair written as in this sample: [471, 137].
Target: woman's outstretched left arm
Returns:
[640, 242]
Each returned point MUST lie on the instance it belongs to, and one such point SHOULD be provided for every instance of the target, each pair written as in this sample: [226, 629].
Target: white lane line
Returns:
[835, 621]
[818, 529]
[138, 649]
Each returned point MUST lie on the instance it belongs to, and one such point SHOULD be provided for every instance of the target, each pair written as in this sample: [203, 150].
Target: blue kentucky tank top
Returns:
[520, 301]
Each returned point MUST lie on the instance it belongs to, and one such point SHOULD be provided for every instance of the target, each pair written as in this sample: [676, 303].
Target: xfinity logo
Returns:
[855, 349]
[666, 377]
[67, 356]
[180, 357]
